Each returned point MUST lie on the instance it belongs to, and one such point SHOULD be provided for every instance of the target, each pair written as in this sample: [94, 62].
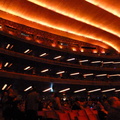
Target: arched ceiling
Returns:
[92, 21]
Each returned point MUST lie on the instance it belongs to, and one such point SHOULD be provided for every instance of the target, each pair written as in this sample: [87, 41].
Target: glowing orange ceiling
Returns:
[93, 21]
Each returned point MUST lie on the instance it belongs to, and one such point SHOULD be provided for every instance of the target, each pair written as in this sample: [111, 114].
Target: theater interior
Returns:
[54, 45]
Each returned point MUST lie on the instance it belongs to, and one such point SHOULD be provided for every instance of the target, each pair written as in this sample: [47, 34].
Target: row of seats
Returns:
[86, 114]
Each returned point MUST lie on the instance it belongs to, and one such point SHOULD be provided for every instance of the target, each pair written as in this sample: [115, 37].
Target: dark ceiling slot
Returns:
[88, 47]
[11, 28]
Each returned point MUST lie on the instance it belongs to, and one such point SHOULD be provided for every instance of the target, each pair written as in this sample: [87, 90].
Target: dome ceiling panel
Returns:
[76, 19]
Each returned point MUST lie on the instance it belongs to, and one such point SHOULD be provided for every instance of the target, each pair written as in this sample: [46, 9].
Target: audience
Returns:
[32, 104]
[114, 111]
[14, 107]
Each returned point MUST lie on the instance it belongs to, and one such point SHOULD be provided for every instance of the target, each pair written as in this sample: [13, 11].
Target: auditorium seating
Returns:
[85, 114]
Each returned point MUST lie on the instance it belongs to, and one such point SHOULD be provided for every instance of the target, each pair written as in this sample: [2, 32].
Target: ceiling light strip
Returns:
[83, 60]
[64, 90]
[6, 64]
[44, 70]
[28, 88]
[95, 90]
[3, 88]
[43, 54]
[96, 61]
[27, 68]
[77, 73]
[88, 74]
[47, 90]
[71, 59]
[114, 75]
[117, 90]
[101, 75]
[57, 57]
[80, 90]
[108, 62]
[61, 72]
[108, 90]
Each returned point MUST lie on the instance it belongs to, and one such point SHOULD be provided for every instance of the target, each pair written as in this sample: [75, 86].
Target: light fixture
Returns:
[95, 51]
[57, 57]
[116, 62]
[60, 46]
[117, 90]
[45, 70]
[88, 74]
[81, 50]
[38, 41]
[6, 64]
[5, 85]
[114, 75]
[8, 45]
[60, 72]
[108, 62]
[101, 75]
[28, 67]
[74, 49]
[27, 51]
[44, 54]
[77, 73]
[47, 89]
[95, 90]
[28, 88]
[108, 90]
[71, 59]
[83, 61]
[64, 90]
[96, 61]
[80, 90]
[103, 51]
[53, 45]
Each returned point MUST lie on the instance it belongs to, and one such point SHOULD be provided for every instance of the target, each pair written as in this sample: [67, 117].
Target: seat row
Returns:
[86, 114]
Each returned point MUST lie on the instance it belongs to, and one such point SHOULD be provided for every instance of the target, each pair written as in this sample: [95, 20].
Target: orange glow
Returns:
[103, 51]
[82, 50]
[60, 46]
[72, 18]
[73, 15]
[11, 32]
[74, 49]
[28, 38]
[95, 51]
[58, 27]
[108, 7]
[38, 41]
[53, 45]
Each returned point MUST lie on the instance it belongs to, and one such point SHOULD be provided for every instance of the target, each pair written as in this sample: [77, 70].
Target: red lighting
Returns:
[60, 46]
[53, 45]
[74, 49]
[10, 32]
[38, 41]
[28, 38]
[82, 50]
[103, 51]
[95, 51]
